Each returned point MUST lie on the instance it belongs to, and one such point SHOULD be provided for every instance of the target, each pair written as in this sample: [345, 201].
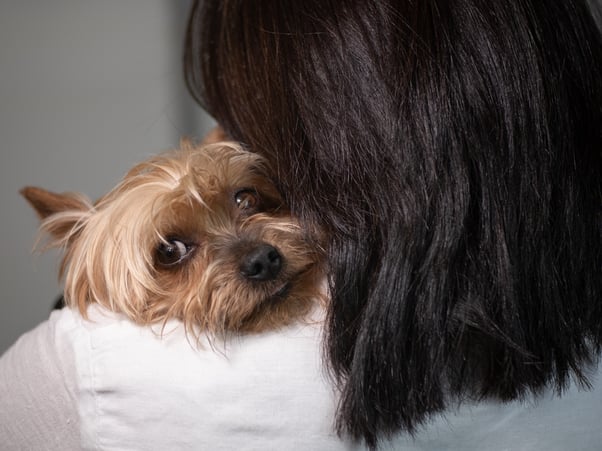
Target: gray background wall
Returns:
[87, 88]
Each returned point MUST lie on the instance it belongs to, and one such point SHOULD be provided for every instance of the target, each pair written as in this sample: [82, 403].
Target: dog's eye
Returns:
[172, 251]
[247, 200]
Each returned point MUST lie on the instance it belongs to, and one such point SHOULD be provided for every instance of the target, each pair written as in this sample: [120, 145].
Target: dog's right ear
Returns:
[216, 134]
[65, 208]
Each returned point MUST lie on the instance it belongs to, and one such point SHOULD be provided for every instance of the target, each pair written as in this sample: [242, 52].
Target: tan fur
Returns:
[110, 247]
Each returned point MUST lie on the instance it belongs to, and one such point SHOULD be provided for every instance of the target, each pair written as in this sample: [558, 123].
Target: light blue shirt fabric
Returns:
[572, 422]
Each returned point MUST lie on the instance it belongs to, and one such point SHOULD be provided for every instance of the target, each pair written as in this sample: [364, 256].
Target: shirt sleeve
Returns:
[38, 406]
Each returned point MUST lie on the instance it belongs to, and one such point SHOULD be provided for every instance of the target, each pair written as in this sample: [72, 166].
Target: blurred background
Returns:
[87, 89]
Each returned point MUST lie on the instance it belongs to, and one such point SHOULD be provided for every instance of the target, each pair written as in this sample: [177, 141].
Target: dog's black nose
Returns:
[262, 263]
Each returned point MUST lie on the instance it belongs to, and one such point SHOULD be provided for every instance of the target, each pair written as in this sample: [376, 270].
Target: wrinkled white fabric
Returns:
[108, 384]
[121, 386]
[38, 390]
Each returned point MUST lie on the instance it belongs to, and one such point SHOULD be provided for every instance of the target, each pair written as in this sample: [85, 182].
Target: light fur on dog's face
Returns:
[199, 234]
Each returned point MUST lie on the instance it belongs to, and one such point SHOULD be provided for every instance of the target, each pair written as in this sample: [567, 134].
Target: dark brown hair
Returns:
[452, 150]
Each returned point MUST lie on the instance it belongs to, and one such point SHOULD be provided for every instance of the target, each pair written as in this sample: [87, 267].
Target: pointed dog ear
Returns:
[67, 209]
[216, 134]
[47, 203]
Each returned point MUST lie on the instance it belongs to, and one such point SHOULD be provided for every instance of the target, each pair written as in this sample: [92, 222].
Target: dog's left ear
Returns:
[59, 212]
[47, 203]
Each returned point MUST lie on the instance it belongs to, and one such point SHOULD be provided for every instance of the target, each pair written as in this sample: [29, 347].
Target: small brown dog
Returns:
[199, 234]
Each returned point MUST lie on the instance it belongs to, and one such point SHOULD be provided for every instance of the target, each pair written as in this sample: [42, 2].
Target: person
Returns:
[451, 150]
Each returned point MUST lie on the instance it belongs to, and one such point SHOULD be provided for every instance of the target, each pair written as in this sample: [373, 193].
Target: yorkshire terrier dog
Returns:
[199, 234]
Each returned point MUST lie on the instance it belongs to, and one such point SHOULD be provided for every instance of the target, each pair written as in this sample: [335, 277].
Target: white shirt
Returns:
[109, 384]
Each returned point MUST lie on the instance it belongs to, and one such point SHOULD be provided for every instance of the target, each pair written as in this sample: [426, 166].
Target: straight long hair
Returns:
[452, 150]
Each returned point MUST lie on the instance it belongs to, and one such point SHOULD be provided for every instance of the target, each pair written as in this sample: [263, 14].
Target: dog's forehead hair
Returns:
[217, 159]
[217, 172]
[213, 176]
[176, 184]
[160, 184]
[196, 170]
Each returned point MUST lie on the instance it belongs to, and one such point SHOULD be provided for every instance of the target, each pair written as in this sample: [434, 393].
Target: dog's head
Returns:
[199, 234]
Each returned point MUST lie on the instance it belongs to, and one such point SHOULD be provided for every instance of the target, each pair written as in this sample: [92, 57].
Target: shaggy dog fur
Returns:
[199, 234]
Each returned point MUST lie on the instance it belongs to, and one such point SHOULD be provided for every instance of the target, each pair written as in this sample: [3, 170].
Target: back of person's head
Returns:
[452, 151]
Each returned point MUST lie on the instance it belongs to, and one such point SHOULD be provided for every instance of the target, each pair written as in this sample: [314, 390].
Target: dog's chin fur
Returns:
[111, 246]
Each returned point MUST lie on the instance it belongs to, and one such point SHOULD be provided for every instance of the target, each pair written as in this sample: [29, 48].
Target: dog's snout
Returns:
[263, 263]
